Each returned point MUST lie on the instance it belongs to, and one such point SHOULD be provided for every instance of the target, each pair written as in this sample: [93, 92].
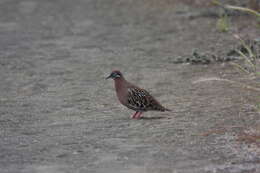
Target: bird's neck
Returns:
[120, 84]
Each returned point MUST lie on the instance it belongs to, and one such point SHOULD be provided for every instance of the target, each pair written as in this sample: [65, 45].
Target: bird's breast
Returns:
[121, 92]
[122, 96]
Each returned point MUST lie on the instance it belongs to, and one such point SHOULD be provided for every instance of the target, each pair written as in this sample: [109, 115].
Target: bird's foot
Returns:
[136, 115]
[139, 115]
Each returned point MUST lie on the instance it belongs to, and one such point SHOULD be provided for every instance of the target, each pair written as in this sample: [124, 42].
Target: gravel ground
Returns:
[59, 115]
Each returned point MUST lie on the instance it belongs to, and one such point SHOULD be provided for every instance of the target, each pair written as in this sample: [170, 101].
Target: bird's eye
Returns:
[118, 75]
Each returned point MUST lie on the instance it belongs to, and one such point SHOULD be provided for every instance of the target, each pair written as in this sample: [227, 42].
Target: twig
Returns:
[229, 81]
[237, 8]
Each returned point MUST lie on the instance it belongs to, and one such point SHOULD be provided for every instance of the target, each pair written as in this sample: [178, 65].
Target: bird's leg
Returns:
[139, 115]
[133, 116]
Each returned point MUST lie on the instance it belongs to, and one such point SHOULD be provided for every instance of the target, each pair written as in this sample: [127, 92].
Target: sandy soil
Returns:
[59, 115]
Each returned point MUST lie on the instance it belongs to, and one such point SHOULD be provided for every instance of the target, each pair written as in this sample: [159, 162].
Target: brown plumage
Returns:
[133, 97]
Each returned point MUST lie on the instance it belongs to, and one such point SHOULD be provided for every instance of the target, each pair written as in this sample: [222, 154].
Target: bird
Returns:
[134, 97]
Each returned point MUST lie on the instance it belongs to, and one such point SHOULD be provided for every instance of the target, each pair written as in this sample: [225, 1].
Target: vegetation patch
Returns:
[246, 48]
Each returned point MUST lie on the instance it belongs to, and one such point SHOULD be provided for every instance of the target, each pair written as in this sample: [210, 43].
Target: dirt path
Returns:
[58, 114]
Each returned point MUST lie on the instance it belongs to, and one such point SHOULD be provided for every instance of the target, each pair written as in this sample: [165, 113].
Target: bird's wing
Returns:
[140, 99]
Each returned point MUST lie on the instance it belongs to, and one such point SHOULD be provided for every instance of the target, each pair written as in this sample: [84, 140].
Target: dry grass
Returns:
[250, 136]
[239, 84]
[215, 131]
[253, 4]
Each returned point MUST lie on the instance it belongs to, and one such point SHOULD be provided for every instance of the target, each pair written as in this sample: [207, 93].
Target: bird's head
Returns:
[116, 74]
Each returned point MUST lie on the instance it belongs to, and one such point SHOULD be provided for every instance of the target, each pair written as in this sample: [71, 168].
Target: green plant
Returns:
[243, 9]
[258, 107]
[249, 57]
[232, 7]
[223, 23]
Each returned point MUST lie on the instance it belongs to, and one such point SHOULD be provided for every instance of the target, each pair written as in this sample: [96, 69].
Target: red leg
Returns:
[139, 115]
[134, 115]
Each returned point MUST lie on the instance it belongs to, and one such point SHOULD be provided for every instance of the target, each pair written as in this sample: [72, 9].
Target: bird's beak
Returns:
[108, 77]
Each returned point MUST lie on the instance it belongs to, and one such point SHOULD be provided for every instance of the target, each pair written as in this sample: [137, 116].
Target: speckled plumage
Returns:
[133, 97]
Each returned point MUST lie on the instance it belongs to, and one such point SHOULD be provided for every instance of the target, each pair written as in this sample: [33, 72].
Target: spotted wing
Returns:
[140, 100]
